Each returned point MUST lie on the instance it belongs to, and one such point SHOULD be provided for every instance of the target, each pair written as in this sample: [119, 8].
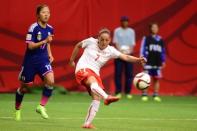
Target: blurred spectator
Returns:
[153, 49]
[124, 40]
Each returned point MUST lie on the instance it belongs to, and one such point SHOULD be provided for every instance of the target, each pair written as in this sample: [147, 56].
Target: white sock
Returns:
[93, 109]
[98, 90]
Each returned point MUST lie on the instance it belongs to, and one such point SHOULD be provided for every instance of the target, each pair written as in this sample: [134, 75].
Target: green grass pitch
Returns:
[67, 113]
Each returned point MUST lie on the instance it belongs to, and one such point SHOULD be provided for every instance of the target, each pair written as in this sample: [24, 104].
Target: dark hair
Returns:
[40, 7]
[124, 18]
[104, 30]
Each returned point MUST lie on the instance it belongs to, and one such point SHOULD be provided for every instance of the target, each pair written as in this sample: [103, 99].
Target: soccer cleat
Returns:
[157, 99]
[144, 98]
[129, 96]
[18, 115]
[42, 110]
[90, 126]
[110, 99]
[119, 95]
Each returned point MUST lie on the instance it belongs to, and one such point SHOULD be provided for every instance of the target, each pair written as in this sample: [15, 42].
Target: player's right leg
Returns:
[26, 77]
[92, 83]
[18, 100]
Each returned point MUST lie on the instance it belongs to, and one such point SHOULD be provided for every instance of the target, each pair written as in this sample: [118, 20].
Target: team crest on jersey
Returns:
[39, 36]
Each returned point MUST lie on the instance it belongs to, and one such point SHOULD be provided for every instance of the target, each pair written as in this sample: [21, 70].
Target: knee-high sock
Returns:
[98, 90]
[93, 109]
[18, 98]
[46, 94]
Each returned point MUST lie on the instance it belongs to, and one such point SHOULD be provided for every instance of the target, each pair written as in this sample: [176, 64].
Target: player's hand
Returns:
[49, 39]
[142, 60]
[72, 63]
[51, 59]
[163, 65]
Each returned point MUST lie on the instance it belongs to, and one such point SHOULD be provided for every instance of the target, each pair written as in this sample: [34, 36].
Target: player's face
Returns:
[154, 29]
[125, 24]
[44, 15]
[104, 40]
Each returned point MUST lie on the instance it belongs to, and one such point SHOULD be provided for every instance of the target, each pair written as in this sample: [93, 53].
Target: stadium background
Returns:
[74, 20]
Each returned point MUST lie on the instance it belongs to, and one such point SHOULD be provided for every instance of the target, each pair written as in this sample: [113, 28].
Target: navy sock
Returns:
[155, 94]
[46, 94]
[18, 99]
[47, 91]
[144, 94]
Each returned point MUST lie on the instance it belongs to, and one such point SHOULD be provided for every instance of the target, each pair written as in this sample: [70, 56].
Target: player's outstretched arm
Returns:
[132, 59]
[33, 45]
[74, 53]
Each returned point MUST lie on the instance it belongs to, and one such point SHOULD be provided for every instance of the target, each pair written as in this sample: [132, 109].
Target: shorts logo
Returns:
[39, 36]
[48, 67]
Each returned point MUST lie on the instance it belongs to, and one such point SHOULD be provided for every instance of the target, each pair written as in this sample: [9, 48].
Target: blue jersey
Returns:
[36, 61]
[35, 34]
[153, 49]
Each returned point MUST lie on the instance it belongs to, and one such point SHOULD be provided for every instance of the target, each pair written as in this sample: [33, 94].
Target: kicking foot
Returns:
[42, 111]
[89, 126]
[111, 99]
[18, 115]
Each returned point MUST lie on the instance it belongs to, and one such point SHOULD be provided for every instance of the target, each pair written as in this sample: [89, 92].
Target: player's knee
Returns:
[24, 88]
[95, 97]
[90, 80]
[50, 83]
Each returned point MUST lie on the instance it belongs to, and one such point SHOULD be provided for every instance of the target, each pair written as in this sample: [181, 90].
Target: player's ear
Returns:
[98, 37]
[38, 16]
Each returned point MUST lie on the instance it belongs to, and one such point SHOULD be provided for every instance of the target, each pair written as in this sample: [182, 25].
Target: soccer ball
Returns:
[142, 81]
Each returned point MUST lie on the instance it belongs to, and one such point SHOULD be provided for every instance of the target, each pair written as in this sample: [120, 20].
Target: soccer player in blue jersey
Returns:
[37, 60]
[153, 49]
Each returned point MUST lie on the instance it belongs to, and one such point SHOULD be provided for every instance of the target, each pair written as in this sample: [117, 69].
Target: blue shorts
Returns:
[29, 70]
[156, 73]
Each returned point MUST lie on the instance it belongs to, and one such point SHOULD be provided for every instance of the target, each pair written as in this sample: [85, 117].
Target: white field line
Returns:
[114, 118]
[84, 103]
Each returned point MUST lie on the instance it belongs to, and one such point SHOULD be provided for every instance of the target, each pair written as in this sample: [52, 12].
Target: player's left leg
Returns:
[156, 85]
[145, 92]
[46, 94]
[48, 88]
[93, 109]
[128, 79]
[118, 69]
[46, 73]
